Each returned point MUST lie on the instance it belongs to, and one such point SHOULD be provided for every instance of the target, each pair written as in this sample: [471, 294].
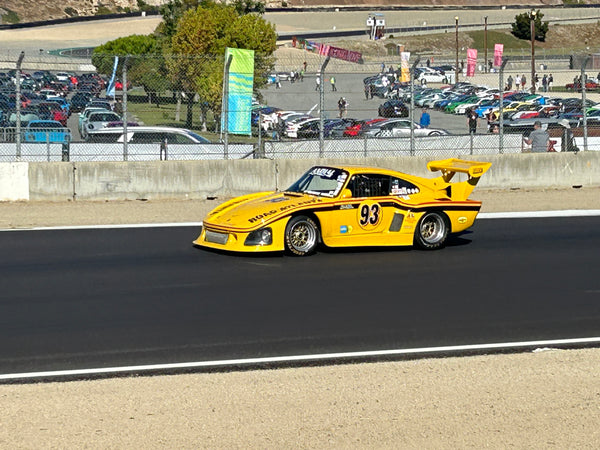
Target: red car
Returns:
[354, 130]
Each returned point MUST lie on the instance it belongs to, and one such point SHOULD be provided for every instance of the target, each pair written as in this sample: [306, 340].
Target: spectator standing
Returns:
[509, 82]
[333, 88]
[317, 83]
[545, 83]
[367, 90]
[277, 82]
[539, 139]
[550, 82]
[292, 76]
[518, 82]
[523, 81]
[342, 106]
[491, 118]
[425, 119]
[472, 121]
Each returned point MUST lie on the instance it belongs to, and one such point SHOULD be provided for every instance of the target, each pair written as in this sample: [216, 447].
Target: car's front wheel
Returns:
[432, 231]
[301, 235]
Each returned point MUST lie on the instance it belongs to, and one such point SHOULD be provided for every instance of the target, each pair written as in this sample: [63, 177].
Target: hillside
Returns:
[21, 11]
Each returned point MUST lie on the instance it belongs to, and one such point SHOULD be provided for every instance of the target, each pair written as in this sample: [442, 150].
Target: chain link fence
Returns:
[155, 95]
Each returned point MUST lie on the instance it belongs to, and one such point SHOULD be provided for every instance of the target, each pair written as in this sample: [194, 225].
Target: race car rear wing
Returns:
[462, 189]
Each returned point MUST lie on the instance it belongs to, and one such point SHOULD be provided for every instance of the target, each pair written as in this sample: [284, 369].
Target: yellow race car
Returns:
[346, 206]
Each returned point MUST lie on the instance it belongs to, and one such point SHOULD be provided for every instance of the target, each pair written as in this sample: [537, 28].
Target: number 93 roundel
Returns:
[369, 215]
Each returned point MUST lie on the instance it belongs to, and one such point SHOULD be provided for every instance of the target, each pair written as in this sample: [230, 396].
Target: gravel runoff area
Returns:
[541, 399]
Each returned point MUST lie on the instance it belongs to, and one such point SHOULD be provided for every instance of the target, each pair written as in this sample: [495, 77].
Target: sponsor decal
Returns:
[279, 199]
[462, 219]
[264, 215]
[324, 172]
[343, 229]
[346, 206]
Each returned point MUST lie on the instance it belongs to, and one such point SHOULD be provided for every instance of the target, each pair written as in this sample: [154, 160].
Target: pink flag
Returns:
[471, 61]
[498, 50]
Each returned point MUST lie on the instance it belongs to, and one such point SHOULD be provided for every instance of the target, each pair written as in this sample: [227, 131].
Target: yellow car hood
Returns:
[253, 211]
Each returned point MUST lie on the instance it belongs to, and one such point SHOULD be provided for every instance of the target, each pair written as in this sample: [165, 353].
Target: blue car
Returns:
[46, 131]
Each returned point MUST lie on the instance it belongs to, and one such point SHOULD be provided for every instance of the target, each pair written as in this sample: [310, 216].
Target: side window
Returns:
[146, 138]
[369, 185]
[176, 138]
[403, 187]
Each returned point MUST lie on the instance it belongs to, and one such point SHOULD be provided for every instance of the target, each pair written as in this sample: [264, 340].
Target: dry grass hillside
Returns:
[20, 11]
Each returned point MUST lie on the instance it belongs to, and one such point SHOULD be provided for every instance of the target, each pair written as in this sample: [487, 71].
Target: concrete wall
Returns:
[201, 179]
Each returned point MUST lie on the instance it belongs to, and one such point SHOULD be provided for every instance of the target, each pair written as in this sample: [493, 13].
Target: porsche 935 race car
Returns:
[346, 206]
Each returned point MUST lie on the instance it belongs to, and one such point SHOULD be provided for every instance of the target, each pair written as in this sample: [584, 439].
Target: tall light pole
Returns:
[456, 33]
[532, 23]
[485, 60]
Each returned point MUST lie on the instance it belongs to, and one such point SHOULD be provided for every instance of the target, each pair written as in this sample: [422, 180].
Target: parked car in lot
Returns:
[428, 75]
[98, 120]
[393, 108]
[311, 130]
[400, 128]
[46, 131]
[147, 135]
[79, 101]
[83, 117]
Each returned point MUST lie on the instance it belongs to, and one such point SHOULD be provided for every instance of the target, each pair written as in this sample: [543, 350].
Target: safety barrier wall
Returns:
[150, 180]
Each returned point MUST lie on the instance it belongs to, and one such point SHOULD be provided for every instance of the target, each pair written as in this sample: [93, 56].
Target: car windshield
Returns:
[320, 181]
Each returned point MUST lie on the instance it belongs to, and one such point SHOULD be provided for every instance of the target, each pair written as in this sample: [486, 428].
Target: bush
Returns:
[71, 12]
[10, 17]
[102, 10]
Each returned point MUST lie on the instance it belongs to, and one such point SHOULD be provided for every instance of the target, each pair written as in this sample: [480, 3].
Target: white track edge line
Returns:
[293, 358]
[491, 215]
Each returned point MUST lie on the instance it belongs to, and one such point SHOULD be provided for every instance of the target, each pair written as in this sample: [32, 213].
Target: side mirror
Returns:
[346, 193]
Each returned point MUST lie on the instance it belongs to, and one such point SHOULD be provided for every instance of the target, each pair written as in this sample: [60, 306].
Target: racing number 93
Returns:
[369, 215]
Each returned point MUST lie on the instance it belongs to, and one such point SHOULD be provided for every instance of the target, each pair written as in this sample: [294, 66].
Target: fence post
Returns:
[18, 104]
[125, 134]
[225, 107]
[583, 79]
[501, 108]
[322, 104]
[412, 107]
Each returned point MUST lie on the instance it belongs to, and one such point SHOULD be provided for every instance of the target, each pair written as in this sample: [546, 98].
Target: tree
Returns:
[521, 27]
[146, 64]
[198, 47]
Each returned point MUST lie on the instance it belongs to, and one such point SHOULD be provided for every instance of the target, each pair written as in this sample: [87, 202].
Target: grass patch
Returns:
[10, 17]
[497, 37]
[165, 115]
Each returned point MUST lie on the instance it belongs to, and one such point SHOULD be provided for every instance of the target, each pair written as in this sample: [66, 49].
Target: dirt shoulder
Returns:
[547, 399]
[43, 214]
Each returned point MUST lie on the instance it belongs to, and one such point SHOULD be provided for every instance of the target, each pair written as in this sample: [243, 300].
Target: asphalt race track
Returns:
[100, 298]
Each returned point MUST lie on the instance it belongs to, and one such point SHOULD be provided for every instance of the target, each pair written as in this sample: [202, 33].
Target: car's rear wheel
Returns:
[301, 235]
[432, 231]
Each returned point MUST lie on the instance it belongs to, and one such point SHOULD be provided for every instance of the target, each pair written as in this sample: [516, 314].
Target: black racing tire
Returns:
[432, 231]
[301, 236]
[435, 133]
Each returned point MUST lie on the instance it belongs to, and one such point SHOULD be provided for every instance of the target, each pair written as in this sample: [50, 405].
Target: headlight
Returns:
[263, 236]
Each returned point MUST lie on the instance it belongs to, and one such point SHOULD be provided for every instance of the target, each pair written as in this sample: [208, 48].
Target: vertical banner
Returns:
[498, 50]
[471, 61]
[239, 96]
[110, 90]
[404, 67]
